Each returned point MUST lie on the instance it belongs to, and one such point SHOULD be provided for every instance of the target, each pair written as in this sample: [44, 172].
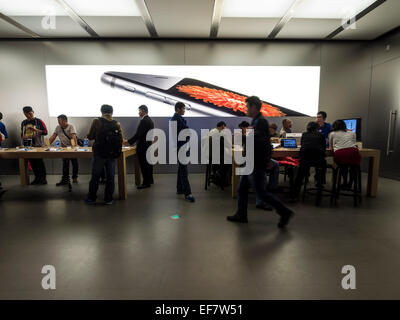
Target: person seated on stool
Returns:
[273, 130]
[312, 153]
[286, 128]
[344, 145]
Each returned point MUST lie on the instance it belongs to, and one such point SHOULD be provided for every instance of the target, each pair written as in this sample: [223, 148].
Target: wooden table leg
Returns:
[122, 189]
[23, 171]
[137, 169]
[235, 179]
[373, 175]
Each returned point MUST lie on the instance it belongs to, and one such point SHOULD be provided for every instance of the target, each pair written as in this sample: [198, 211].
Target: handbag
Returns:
[78, 140]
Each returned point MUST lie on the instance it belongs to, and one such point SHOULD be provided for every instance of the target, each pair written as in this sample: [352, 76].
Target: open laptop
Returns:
[289, 143]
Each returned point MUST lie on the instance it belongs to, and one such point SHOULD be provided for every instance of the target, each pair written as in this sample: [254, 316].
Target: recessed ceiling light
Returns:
[31, 8]
[331, 9]
[104, 7]
[81, 7]
[256, 8]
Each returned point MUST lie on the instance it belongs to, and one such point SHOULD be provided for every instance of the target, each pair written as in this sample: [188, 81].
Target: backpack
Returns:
[109, 140]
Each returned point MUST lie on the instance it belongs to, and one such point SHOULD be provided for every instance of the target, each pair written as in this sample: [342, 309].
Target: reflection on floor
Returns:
[134, 250]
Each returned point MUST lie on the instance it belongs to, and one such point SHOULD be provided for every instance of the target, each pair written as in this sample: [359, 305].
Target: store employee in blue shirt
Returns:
[324, 127]
[3, 129]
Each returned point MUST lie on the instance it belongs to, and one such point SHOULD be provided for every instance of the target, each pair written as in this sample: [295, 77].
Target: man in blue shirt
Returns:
[324, 127]
[182, 185]
[3, 130]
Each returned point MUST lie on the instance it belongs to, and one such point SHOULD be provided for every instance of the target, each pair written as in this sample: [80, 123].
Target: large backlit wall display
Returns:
[218, 91]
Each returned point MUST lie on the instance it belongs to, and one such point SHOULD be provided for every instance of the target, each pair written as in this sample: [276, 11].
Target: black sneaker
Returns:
[2, 192]
[285, 218]
[237, 218]
[35, 181]
[43, 181]
[62, 183]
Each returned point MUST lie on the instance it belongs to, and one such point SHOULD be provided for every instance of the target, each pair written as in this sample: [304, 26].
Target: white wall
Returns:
[345, 72]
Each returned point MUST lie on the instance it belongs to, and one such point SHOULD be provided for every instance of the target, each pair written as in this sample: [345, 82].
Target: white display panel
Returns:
[77, 90]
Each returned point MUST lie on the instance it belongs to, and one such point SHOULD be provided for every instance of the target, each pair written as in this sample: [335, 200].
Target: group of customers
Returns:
[108, 140]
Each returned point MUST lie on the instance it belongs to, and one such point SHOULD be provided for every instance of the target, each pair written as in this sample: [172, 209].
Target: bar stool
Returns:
[319, 191]
[354, 191]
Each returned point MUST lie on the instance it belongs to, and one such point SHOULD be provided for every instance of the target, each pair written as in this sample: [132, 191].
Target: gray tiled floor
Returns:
[134, 250]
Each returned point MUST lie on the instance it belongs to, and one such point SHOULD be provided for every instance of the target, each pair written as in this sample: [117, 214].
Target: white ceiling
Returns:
[242, 19]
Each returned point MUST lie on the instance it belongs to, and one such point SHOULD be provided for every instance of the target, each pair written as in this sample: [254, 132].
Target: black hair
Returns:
[179, 105]
[244, 124]
[339, 125]
[254, 101]
[144, 108]
[1, 116]
[62, 117]
[273, 126]
[312, 127]
[27, 109]
[106, 109]
[323, 114]
[220, 124]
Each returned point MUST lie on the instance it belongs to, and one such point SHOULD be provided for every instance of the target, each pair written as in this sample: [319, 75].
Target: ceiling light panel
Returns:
[255, 8]
[331, 9]
[31, 8]
[102, 8]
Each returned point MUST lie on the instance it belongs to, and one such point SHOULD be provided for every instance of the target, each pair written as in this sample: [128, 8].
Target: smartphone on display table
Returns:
[195, 94]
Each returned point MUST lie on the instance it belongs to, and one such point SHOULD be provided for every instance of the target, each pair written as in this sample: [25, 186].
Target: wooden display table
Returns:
[34, 153]
[373, 166]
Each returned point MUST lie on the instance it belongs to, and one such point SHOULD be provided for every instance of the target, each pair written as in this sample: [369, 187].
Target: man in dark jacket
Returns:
[182, 185]
[145, 125]
[262, 159]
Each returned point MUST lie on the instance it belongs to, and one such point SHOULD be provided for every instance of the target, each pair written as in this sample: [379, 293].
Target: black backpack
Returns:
[109, 140]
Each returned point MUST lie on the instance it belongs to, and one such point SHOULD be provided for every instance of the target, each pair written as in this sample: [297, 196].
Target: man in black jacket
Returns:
[145, 125]
[262, 159]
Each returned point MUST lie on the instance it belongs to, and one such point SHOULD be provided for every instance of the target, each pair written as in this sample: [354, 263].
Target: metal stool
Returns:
[354, 191]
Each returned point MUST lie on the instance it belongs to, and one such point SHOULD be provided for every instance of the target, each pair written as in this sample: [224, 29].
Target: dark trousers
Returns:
[304, 171]
[97, 167]
[182, 184]
[257, 181]
[75, 168]
[38, 168]
[145, 167]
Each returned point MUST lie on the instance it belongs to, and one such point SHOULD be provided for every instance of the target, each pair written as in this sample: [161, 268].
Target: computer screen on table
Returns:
[354, 125]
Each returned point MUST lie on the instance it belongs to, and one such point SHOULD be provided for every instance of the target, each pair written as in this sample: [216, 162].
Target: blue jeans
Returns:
[257, 181]
[273, 180]
[182, 183]
[97, 167]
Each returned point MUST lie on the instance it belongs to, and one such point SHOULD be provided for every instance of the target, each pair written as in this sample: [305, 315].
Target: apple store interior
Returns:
[200, 149]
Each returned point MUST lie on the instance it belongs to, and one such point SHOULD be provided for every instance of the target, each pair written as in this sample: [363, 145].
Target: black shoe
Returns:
[285, 217]
[143, 186]
[62, 183]
[264, 207]
[237, 218]
[2, 192]
[43, 181]
[35, 181]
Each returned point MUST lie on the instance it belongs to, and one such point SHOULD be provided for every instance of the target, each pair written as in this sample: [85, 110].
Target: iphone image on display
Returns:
[197, 95]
